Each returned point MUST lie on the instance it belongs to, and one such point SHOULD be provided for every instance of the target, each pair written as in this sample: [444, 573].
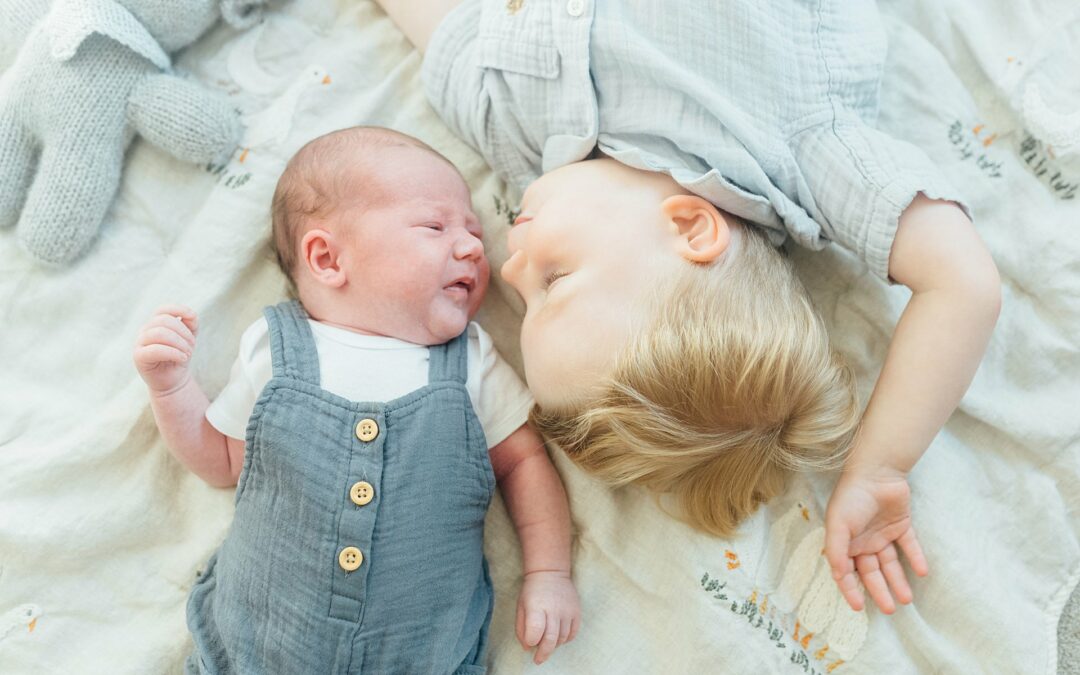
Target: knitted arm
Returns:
[183, 118]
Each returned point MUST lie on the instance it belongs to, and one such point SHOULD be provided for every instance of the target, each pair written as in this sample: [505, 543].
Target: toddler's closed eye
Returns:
[552, 278]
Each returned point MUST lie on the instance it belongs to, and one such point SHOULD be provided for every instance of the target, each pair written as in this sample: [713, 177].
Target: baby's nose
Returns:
[469, 246]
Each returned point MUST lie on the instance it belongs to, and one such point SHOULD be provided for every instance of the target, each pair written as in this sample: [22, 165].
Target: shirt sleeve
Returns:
[861, 180]
[230, 411]
[452, 76]
[500, 398]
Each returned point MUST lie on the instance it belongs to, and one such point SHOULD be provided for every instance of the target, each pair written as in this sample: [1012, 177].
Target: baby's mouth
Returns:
[461, 286]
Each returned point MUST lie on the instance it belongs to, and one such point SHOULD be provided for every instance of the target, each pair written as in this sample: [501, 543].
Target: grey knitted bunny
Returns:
[91, 75]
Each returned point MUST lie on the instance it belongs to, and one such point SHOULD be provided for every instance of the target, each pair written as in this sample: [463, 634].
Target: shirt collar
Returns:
[72, 21]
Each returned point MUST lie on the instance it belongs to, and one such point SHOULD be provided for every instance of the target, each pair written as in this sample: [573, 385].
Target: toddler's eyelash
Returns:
[552, 278]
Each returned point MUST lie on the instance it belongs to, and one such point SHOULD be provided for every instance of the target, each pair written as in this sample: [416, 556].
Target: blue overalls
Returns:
[357, 544]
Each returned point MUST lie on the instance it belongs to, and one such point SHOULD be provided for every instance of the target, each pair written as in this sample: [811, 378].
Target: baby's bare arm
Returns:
[208, 453]
[162, 355]
[548, 611]
[418, 19]
[939, 340]
[535, 499]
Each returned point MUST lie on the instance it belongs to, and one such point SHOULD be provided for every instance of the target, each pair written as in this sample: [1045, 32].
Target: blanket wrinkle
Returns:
[104, 530]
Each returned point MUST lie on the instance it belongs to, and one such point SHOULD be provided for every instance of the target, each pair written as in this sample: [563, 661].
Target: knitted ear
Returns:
[242, 13]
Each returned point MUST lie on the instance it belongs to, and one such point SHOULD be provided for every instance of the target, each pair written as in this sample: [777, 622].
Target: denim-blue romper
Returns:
[357, 545]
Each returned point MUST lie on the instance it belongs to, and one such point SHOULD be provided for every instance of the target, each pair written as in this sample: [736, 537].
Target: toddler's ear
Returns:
[319, 258]
[703, 231]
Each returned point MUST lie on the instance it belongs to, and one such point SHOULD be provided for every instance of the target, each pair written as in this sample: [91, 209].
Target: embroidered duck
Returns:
[23, 617]
[271, 126]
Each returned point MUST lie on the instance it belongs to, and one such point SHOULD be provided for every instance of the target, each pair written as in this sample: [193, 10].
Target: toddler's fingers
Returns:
[837, 542]
[849, 588]
[548, 642]
[909, 544]
[870, 571]
[894, 574]
[534, 627]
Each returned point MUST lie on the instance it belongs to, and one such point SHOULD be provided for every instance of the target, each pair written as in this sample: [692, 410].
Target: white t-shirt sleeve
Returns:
[230, 411]
[500, 398]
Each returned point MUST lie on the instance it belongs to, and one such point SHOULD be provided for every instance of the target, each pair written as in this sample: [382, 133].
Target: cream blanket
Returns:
[101, 531]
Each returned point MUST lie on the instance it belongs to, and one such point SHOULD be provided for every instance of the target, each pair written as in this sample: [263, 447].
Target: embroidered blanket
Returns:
[102, 532]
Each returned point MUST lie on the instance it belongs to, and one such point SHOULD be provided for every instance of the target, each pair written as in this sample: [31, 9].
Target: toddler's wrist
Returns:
[874, 471]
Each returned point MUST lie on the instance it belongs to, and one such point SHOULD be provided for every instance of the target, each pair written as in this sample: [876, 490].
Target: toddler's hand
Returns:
[164, 347]
[868, 516]
[548, 613]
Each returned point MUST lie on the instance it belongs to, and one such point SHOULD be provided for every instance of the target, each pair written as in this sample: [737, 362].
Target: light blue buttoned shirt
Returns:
[764, 108]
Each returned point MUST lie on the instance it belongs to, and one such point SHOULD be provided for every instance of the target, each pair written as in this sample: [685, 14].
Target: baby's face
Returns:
[585, 255]
[415, 260]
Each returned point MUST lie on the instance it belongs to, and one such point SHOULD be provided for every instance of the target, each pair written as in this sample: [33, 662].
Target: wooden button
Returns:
[367, 429]
[350, 558]
[361, 493]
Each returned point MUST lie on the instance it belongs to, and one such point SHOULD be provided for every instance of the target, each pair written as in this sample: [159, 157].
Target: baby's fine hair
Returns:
[322, 174]
[731, 387]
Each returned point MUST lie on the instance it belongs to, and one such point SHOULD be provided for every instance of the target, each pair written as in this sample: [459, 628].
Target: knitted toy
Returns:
[90, 75]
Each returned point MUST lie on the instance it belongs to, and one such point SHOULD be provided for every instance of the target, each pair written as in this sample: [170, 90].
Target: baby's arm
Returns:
[418, 19]
[162, 354]
[935, 350]
[548, 613]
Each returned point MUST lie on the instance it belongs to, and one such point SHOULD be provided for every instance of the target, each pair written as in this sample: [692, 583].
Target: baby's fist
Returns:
[548, 613]
[164, 346]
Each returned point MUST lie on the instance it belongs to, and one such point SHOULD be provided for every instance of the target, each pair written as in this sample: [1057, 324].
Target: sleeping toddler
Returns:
[662, 150]
[365, 426]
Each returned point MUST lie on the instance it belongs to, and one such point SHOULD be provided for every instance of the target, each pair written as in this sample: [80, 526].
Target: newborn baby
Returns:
[365, 425]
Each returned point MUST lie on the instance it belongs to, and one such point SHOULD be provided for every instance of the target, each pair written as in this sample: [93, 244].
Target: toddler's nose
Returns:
[512, 268]
[514, 238]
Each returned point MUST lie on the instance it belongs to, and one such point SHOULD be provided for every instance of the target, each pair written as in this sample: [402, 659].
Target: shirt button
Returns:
[575, 7]
[350, 558]
[367, 430]
[361, 493]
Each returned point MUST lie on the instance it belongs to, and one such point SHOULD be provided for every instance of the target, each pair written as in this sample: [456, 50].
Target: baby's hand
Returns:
[868, 516]
[548, 613]
[164, 347]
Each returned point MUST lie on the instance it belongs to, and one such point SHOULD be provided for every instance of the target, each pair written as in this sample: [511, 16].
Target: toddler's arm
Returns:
[418, 19]
[548, 613]
[937, 346]
[162, 354]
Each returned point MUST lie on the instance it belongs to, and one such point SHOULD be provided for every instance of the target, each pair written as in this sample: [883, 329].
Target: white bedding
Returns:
[101, 531]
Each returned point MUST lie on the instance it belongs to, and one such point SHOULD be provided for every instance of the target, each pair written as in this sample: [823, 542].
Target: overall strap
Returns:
[292, 346]
[450, 361]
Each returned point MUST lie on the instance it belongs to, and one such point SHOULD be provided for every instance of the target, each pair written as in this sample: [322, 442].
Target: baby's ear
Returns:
[703, 231]
[242, 14]
[319, 259]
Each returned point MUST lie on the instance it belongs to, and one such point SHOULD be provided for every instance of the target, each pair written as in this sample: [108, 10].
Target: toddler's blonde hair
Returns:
[730, 387]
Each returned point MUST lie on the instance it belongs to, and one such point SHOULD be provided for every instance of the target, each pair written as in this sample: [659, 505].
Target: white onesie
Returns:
[373, 368]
